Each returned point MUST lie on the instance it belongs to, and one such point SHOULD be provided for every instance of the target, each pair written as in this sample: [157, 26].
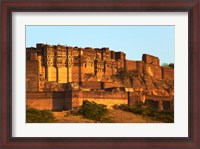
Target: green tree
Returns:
[94, 111]
[171, 65]
[165, 64]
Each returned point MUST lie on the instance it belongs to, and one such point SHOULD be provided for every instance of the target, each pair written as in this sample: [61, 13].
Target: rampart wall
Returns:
[167, 73]
[107, 98]
[49, 100]
[149, 59]
[74, 99]
[32, 80]
[54, 68]
[111, 84]
[92, 85]
[152, 70]
[144, 69]
[131, 65]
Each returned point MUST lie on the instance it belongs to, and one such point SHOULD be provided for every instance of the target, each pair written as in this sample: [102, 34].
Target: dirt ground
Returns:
[116, 116]
[63, 117]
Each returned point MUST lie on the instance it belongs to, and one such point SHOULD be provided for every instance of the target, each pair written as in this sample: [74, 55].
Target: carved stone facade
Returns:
[63, 64]
[63, 68]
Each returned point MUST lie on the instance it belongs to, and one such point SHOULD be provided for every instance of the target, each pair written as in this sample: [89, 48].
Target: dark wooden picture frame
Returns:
[9, 6]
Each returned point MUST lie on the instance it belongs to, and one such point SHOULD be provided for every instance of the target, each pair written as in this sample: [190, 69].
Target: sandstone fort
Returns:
[60, 77]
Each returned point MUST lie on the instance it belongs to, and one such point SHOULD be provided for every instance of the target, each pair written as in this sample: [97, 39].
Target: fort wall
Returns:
[152, 70]
[92, 85]
[167, 73]
[71, 64]
[151, 59]
[111, 84]
[131, 65]
[49, 100]
[140, 65]
[40, 104]
[76, 73]
[58, 68]
[109, 102]
[32, 79]
[144, 69]
[99, 97]
[62, 75]
[72, 99]
[59, 101]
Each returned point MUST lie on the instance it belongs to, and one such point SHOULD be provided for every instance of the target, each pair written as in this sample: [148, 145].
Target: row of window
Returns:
[100, 70]
[86, 65]
[63, 50]
[59, 56]
[59, 63]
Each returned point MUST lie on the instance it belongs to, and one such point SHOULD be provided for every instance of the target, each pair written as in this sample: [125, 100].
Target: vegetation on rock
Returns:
[124, 75]
[39, 116]
[146, 111]
[168, 65]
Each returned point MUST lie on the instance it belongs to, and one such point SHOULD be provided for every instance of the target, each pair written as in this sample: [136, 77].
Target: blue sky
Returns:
[133, 40]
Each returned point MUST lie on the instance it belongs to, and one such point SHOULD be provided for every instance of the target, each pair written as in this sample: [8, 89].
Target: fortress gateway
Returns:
[60, 77]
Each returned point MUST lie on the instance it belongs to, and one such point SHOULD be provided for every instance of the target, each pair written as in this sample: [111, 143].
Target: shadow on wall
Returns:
[166, 105]
[152, 104]
[59, 101]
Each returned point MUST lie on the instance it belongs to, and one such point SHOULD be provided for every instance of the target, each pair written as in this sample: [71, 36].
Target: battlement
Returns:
[151, 59]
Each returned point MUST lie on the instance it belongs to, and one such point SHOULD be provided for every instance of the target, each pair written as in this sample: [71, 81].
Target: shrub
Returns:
[39, 116]
[148, 112]
[141, 109]
[137, 109]
[94, 111]
[166, 116]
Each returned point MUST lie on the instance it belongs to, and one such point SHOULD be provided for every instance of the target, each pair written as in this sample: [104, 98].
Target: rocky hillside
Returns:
[145, 84]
